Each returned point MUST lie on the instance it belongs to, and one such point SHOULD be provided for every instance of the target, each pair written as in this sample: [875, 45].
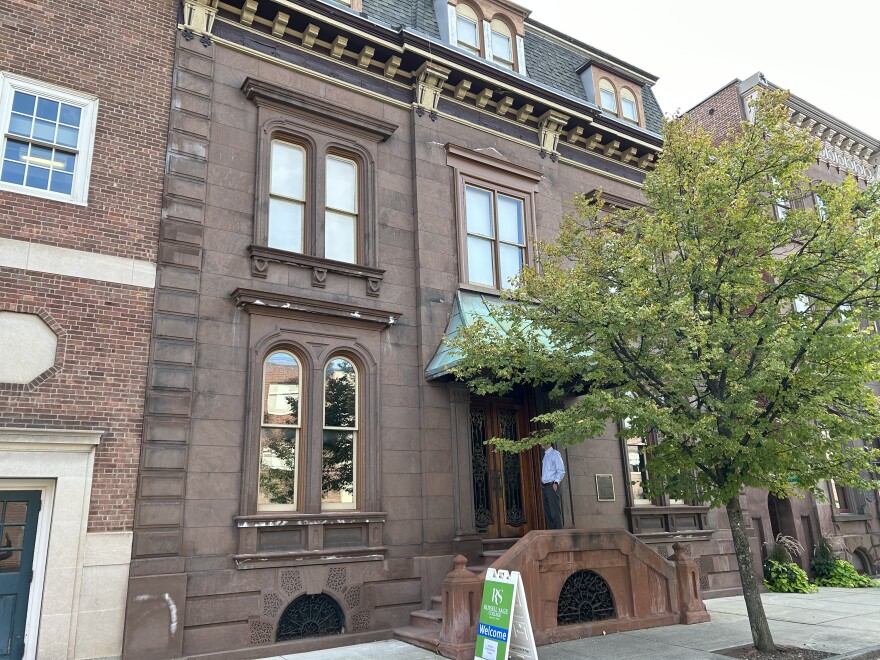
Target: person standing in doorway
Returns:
[552, 472]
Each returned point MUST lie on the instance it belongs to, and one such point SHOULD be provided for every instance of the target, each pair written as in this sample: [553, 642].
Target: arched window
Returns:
[502, 44]
[280, 425]
[287, 196]
[467, 29]
[607, 96]
[341, 210]
[339, 451]
[628, 107]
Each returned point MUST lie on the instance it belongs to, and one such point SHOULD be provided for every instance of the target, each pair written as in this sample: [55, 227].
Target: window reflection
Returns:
[340, 434]
[279, 433]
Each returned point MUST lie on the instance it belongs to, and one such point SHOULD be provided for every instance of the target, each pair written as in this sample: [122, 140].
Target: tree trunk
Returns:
[755, 608]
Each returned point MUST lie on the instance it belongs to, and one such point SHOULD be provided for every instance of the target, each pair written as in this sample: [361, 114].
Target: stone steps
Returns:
[424, 625]
[421, 637]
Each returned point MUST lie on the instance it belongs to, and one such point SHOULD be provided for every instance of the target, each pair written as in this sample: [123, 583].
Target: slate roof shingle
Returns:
[548, 61]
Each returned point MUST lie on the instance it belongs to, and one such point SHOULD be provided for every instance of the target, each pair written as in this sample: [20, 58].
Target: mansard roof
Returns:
[552, 58]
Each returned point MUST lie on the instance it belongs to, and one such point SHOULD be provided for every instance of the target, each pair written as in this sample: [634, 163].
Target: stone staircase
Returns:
[424, 625]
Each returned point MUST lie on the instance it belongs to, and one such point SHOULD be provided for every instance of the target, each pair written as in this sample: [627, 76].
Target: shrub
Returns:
[785, 549]
[843, 574]
[823, 558]
[787, 577]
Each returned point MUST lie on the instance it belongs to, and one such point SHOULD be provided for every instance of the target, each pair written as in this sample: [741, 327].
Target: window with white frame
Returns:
[47, 139]
[502, 44]
[287, 196]
[467, 29]
[290, 168]
[628, 106]
[341, 210]
[496, 236]
[607, 95]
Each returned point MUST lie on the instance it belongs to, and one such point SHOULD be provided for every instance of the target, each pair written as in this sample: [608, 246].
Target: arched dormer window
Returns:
[607, 95]
[502, 44]
[629, 110]
[467, 29]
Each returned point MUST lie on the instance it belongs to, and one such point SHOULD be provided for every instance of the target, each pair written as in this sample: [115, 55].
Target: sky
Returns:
[828, 53]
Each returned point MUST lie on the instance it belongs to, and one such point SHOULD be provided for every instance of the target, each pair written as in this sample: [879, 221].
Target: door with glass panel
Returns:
[505, 484]
[496, 236]
[19, 511]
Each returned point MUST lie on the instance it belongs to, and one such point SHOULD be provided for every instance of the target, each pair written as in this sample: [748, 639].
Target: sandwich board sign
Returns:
[504, 630]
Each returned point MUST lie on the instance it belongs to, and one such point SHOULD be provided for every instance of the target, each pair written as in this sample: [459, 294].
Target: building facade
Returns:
[849, 516]
[81, 182]
[347, 183]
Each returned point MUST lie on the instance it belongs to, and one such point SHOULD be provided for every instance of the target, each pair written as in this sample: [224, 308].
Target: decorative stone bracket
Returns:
[550, 126]
[198, 18]
[429, 86]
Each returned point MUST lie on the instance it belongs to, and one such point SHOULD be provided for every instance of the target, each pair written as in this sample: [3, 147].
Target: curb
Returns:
[862, 654]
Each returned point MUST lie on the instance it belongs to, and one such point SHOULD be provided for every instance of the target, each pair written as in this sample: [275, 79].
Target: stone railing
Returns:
[579, 584]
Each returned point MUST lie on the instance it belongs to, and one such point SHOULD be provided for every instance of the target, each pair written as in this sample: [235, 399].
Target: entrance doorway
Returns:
[19, 512]
[505, 485]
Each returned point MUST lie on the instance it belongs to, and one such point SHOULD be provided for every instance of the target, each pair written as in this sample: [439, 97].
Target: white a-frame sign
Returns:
[504, 630]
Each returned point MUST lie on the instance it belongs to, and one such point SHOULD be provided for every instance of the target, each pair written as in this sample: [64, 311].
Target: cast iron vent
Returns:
[585, 596]
[315, 615]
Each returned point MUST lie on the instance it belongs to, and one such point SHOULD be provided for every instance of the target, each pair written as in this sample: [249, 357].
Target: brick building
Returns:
[850, 516]
[81, 181]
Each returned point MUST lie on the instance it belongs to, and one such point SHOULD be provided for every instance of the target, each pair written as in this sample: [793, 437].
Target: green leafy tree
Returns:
[737, 336]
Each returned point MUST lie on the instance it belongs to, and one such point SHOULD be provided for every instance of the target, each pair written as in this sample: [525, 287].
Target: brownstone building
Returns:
[81, 181]
[850, 516]
[346, 183]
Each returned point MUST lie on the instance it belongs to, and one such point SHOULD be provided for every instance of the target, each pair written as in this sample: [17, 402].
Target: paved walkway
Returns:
[835, 620]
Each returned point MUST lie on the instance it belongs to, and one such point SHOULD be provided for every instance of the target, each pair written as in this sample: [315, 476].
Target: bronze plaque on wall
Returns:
[605, 487]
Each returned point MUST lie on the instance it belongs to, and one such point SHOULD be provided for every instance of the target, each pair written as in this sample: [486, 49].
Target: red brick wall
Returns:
[720, 113]
[122, 53]
[101, 381]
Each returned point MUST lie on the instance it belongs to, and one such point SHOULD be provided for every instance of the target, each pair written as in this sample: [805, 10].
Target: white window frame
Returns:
[11, 83]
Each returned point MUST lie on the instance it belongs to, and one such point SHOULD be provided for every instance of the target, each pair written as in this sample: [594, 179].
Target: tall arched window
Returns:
[467, 29]
[287, 196]
[607, 96]
[502, 44]
[280, 426]
[339, 452]
[628, 107]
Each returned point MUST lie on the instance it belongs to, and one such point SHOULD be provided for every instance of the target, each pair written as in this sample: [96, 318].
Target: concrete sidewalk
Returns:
[841, 621]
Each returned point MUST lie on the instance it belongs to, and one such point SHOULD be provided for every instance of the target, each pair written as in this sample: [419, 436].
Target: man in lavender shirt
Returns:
[552, 472]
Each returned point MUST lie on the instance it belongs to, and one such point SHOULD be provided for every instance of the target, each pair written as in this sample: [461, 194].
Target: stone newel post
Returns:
[462, 594]
[690, 601]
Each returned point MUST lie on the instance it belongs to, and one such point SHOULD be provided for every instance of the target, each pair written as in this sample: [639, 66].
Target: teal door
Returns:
[19, 510]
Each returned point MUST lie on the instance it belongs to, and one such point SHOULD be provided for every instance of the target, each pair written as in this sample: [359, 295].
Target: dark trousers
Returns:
[552, 506]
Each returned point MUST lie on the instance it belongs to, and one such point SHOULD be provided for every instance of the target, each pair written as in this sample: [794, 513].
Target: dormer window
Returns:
[607, 96]
[502, 45]
[628, 107]
[467, 28]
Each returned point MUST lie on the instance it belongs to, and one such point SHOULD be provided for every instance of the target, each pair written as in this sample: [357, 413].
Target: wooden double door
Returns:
[506, 485]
